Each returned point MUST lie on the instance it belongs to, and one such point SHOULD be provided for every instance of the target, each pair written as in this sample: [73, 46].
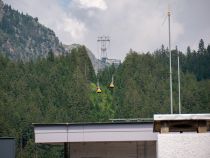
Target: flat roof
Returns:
[116, 121]
[182, 123]
[94, 132]
[175, 117]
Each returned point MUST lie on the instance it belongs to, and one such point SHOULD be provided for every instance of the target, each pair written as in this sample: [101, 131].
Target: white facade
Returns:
[183, 145]
[183, 135]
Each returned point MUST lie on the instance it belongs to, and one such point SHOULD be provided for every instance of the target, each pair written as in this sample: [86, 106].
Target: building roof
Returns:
[173, 117]
[112, 121]
[94, 132]
[182, 123]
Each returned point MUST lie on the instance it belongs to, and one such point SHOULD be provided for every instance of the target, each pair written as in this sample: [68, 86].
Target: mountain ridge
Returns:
[22, 37]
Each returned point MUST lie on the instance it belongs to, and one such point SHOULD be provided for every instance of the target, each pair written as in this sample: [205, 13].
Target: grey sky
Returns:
[136, 24]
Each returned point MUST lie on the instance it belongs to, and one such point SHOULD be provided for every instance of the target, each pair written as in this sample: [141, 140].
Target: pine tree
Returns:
[201, 47]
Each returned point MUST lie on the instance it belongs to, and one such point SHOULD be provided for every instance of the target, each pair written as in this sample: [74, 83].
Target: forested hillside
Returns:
[142, 83]
[55, 89]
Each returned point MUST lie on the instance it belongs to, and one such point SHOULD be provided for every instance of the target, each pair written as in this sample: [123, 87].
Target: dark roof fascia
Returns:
[7, 138]
[90, 123]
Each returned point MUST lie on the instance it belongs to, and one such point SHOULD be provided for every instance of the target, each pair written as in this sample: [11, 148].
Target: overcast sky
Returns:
[136, 24]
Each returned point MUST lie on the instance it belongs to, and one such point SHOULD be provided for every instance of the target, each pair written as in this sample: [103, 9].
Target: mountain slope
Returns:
[97, 63]
[1, 9]
[22, 37]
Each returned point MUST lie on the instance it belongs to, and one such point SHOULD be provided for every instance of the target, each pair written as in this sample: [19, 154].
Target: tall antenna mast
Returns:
[169, 32]
[104, 41]
[179, 82]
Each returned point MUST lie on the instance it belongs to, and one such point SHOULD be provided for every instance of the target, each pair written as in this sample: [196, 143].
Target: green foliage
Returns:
[106, 74]
[197, 62]
[51, 90]
[142, 84]
[102, 107]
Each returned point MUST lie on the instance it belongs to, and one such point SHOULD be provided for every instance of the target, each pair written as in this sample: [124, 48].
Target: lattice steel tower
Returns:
[104, 42]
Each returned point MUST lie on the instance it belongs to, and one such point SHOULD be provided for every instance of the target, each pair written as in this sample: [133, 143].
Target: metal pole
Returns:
[169, 31]
[66, 150]
[179, 82]
[67, 144]
[21, 145]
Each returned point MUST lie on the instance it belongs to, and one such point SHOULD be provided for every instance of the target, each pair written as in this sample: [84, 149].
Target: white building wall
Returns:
[113, 150]
[183, 145]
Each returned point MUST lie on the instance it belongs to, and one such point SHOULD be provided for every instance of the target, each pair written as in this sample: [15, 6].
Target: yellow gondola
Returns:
[98, 89]
[112, 83]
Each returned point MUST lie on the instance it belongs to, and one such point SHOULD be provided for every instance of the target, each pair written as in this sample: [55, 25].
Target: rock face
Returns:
[1, 9]
[22, 37]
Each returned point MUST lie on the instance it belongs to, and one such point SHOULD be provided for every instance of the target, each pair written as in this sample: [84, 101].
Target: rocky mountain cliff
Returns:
[22, 37]
[1, 10]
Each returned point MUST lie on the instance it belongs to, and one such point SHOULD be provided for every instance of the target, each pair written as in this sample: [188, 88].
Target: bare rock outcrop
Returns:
[1, 9]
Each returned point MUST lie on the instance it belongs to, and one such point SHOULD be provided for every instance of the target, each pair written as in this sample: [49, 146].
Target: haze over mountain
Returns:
[136, 24]
[22, 37]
